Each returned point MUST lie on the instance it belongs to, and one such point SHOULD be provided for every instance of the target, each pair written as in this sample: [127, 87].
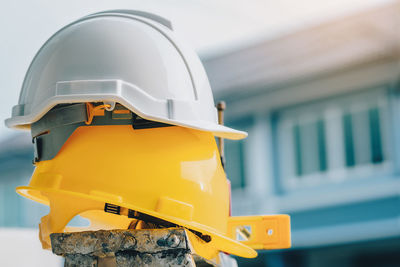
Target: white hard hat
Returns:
[127, 57]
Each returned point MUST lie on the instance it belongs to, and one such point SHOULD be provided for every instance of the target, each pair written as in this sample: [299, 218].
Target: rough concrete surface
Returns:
[144, 247]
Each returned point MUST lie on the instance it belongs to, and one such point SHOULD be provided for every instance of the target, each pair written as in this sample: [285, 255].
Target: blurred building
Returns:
[321, 107]
[15, 170]
[20, 217]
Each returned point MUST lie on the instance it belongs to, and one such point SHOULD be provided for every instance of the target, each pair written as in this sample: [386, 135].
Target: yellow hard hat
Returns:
[171, 174]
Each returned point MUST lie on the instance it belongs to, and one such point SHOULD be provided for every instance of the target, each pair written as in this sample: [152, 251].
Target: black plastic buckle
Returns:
[110, 208]
[140, 123]
[37, 149]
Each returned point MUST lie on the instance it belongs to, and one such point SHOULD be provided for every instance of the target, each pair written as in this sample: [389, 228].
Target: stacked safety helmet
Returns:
[123, 123]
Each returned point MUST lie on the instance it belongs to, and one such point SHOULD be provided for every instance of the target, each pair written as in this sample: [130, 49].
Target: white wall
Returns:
[21, 247]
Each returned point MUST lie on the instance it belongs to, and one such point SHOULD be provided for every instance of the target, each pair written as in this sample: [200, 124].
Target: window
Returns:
[234, 166]
[338, 138]
[362, 134]
[309, 147]
[236, 153]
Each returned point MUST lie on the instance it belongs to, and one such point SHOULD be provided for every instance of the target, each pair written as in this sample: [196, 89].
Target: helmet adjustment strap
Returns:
[51, 132]
[160, 223]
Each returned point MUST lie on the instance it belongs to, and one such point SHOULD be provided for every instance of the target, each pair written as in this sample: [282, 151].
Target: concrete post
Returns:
[143, 247]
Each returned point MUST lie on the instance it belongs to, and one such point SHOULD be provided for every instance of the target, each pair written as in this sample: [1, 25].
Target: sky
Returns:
[209, 26]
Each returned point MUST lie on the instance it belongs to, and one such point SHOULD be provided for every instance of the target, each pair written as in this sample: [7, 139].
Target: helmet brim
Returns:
[220, 241]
